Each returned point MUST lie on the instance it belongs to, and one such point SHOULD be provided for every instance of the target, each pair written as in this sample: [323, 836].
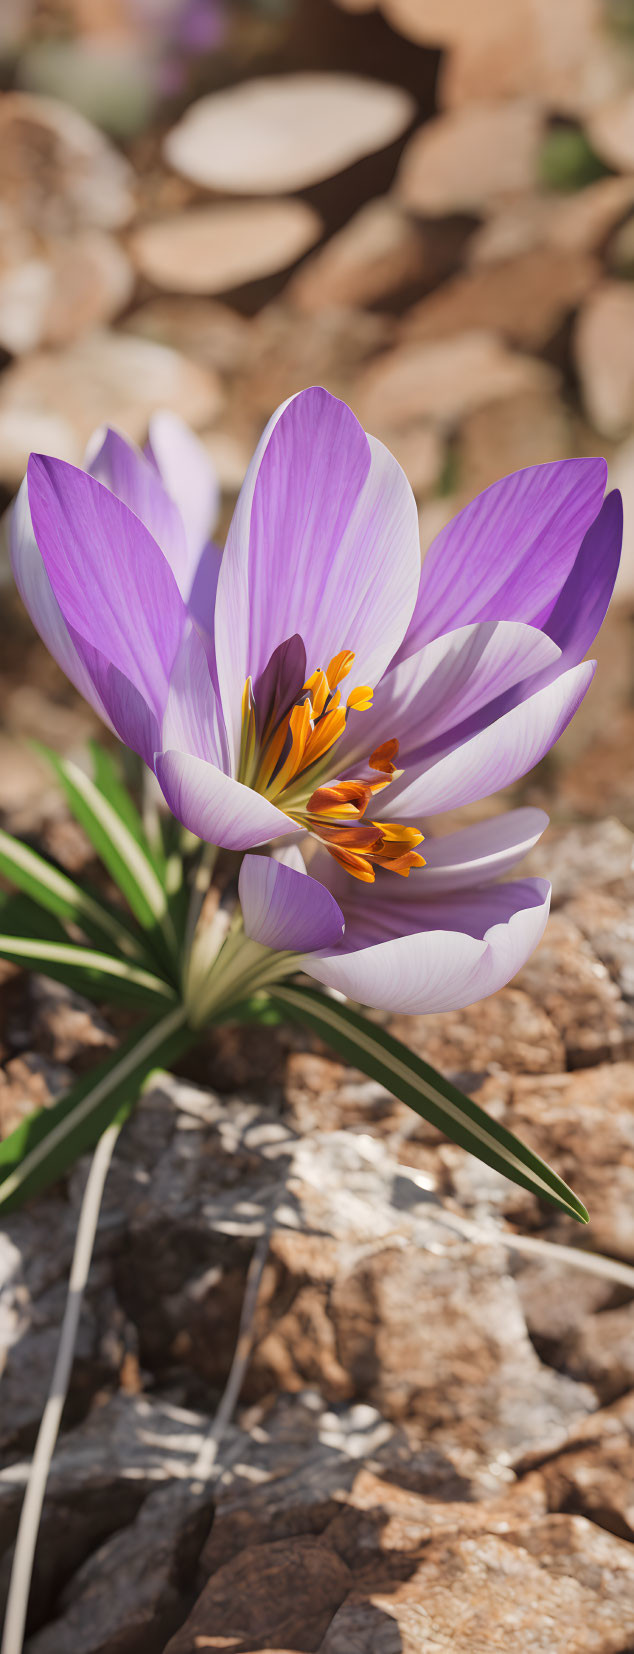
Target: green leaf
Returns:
[385, 1059]
[108, 780]
[128, 861]
[50, 1140]
[86, 970]
[58, 894]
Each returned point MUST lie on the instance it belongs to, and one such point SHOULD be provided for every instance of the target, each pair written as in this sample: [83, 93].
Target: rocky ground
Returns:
[433, 1449]
[434, 1445]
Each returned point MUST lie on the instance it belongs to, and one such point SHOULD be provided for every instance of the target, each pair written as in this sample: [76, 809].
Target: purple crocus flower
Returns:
[227, 677]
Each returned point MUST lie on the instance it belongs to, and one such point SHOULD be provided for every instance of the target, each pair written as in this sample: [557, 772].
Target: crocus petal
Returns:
[214, 806]
[202, 597]
[121, 467]
[128, 712]
[481, 853]
[41, 603]
[499, 754]
[111, 580]
[189, 477]
[286, 909]
[445, 682]
[581, 606]
[192, 721]
[508, 554]
[469, 949]
[324, 543]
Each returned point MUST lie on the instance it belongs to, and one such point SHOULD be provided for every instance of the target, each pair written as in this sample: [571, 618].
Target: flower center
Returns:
[290, 726]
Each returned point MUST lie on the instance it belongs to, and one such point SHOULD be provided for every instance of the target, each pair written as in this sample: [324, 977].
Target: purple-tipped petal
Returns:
[468, 950]
[445, 682]
[324, 542]
[189, 477]
[508, 554]
[481, 853]
[41, 603]
[202, 597]
[286, 909]
[111, 580]
[214, 806]
[192, 721]
[580, 609]
[120, 466]
[499, 754]
[128, 712]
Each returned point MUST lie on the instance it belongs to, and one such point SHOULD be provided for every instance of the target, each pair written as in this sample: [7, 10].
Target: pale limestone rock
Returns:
[211, 249]
[286, 131]
[605, 357]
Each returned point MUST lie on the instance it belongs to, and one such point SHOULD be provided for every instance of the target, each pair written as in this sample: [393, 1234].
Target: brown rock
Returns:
[607, 922]
[611, 130]
[569, 59]
[598, 1482]
[285, 1592]
[54, 401]
[421, 453]
[532, 427]
[28, 1083]
[379, 249]
[57, 172]
[574, 223]
[583, 1124]
[508, 1031]
[462, 1370]
[525, 298]
[600, 1350]
[605, 357]
[470, 158]
[589, 858]
[211, 249]
[565, 977]
[285, 132]
[62, 290]
[210, 332]
[289, 351]
[443, 382]
[571, 1593]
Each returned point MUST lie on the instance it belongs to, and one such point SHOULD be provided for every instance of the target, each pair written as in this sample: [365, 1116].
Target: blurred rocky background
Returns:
[427, 206]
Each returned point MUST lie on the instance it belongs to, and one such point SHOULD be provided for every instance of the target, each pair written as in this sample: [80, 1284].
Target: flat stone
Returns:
[211, 249]
[444, 381]
[470, 158]
[57, 171]
[571, 61]
[604, 347]
[593, 856]
[622, 477]
[526, 298]
[53, 401]
[531, 427]
[378, 251]
[286, 131]
[611, 130]
[209, 331]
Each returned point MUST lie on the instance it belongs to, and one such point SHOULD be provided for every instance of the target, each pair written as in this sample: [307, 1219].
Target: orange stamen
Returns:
[360, 700]
[339, 667]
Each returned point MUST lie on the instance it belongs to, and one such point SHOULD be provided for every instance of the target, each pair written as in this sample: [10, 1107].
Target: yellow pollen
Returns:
[288, 763]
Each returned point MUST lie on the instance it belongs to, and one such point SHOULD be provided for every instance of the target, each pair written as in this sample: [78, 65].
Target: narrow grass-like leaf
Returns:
[385, 1059]
[128, 861]
[108, 779]
[50, 1140]
[59, 894]
[86, 970]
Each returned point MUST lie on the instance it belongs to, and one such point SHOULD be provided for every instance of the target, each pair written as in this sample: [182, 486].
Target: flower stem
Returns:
[22, 1570]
